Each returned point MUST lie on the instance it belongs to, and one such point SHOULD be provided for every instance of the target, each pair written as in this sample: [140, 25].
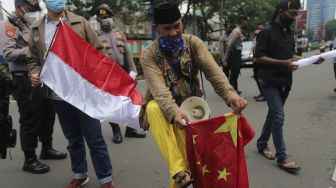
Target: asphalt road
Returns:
[310, 133]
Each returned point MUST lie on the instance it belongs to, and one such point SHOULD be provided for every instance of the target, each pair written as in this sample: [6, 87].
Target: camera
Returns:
[7, 133]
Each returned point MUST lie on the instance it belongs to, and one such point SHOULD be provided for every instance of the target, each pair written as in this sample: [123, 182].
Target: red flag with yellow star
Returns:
[215, 150]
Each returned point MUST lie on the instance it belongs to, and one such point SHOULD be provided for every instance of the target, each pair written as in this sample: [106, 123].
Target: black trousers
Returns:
[233, 70]
[256, 76]
[299, 51]
[116, 128]
[37, 115]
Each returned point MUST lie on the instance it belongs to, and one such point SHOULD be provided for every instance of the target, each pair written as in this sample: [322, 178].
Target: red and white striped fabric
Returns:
[90, 81]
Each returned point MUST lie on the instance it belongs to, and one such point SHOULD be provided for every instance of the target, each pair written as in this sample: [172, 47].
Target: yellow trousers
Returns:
[170, 139]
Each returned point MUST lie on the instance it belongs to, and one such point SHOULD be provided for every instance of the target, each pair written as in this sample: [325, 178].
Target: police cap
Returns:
[103, 9]
[34, 3]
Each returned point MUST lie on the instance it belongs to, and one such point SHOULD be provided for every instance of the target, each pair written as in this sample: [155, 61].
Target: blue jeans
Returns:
[76, 127]
[276, 98]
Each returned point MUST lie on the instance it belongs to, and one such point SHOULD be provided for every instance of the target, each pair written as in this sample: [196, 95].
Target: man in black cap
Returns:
[275, 52]
[171, 65]
[115, 44]
[37, 115]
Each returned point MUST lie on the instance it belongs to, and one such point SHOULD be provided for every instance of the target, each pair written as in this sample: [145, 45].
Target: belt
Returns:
[19, 73]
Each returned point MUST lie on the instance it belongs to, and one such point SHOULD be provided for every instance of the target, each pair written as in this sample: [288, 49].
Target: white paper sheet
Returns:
[313, 59]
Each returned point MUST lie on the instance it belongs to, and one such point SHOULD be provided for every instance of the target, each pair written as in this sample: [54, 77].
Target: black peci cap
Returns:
[165, 13]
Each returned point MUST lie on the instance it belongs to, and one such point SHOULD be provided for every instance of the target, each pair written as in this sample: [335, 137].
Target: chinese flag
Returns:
[215, 149]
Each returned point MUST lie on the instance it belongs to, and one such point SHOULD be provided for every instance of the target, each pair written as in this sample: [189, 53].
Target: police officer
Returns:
[37, 115]
[115, 43]
[233, 52]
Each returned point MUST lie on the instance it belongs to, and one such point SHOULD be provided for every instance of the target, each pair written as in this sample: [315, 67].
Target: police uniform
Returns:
[233, 54]
[115, 44]
[37, 115]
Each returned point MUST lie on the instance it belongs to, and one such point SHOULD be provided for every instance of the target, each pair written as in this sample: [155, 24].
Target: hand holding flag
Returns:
[89, 80]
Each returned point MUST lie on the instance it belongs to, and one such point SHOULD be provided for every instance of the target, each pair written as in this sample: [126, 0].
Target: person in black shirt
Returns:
[275, 52]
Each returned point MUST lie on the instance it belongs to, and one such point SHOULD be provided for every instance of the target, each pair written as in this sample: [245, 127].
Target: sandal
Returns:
[182, 179]
[267, 153]
[290, 167]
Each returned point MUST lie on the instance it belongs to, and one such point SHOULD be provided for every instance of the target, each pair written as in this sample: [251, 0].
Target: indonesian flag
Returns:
[89, 80]
[215, 150]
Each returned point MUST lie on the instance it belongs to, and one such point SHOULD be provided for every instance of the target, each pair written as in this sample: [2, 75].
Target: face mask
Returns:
[56, 6]
[171, 45]
[106, 23]
[30, 17]
[286, 21]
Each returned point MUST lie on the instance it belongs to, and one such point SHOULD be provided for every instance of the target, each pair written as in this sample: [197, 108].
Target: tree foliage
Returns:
[128, 10]
[208, 11]
[330, 30]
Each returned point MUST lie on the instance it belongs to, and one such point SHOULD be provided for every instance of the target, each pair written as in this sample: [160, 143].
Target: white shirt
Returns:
[49, 33]
[50, 29]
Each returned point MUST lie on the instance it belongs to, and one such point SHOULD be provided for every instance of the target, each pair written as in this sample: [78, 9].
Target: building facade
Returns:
[320, 12]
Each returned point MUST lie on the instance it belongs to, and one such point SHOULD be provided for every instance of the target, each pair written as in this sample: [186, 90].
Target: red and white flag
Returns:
[90, 81]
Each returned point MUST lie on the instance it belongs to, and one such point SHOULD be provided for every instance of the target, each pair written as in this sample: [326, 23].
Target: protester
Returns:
[300, 45]
[233, 52]
[37, 115]
[76, 125]
[323, 46]
[115, 43]
[275, 52]
[260, 97]
[171, 65]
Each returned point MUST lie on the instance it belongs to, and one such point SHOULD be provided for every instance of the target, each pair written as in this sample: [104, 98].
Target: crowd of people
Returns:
[170, 64]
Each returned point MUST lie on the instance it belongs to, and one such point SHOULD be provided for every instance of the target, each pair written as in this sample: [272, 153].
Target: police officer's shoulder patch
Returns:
[10, 30]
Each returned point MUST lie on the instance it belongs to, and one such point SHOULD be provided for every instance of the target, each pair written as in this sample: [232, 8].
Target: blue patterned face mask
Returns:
[171, 45]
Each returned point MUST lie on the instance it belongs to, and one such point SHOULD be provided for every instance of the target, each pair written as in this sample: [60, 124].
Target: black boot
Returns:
[34, 166]
[117, 138]
[130, 132]
[53, 154]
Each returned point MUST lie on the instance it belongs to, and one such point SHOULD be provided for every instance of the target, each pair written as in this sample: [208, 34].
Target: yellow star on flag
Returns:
[205, 170]
[230, 125]
[223, 174]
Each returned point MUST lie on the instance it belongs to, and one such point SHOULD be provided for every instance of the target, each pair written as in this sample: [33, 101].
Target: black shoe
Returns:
[117, 138]
[255, 97]
[52, 154]
[335, 90]
[130, 132]
[260, 99]
[35, 166]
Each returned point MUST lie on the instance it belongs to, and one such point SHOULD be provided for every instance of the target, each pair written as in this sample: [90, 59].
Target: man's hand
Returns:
[320, 60]
[35, 80]
[237, 103]
[289, 64]
[181, 119]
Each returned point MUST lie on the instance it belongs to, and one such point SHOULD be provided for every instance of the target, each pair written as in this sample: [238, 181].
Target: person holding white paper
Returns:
[275, 52]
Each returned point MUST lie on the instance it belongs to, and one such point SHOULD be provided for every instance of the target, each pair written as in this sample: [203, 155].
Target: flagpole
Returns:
[45, 56]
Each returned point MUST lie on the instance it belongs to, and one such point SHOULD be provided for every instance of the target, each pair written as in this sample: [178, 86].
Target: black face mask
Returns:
[286, 21]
